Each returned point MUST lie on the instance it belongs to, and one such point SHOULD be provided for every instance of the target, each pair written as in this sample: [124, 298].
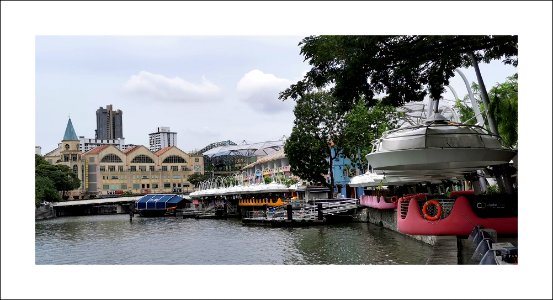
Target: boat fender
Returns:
[425, 213]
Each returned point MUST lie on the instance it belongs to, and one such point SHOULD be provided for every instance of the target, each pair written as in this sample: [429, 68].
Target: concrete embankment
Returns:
[388, 219]
[444, 248]
[44, 212]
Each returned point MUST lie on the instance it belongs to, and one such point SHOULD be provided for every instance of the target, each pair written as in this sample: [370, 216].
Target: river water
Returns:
[113, 240]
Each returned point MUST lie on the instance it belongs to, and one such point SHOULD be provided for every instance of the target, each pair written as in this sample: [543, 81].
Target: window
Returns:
[76, 170]
[176, 176]
[143, 185]
[111, 168]
[123, 186]
[136, 186]
[142, 168]
[120, 168]
[154, 185]
[166, 185]
[164, 168]
[133, 168]
[102, 168]
[114, 177]
[196, 159]
[106, 186]
[50, 161]
[152, 168]
[174, 159]
[142, 159]
[111, 158]
[174, 168]
[74, 157]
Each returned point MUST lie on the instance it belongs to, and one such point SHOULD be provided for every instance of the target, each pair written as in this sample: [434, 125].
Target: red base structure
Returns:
[458, 217]
[376, 202]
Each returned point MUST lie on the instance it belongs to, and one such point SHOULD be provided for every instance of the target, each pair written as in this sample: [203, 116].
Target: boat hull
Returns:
[460, 221]
[376, 202]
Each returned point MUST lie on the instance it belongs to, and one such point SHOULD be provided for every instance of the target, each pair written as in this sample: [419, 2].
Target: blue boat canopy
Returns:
[158, 201]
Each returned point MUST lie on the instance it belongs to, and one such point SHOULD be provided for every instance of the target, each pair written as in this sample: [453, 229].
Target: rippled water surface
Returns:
[113, 240]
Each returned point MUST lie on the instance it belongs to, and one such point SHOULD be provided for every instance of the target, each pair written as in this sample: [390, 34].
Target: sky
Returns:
[205, 88]
[47, 76]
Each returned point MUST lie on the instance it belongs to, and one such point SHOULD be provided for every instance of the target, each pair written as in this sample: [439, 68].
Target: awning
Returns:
[158, 201]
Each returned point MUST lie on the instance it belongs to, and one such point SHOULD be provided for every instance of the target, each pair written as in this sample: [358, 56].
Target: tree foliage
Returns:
[49, 178]
[195, 178]
[503, 108]
[404, 68]
[318, 127]
[363, 126]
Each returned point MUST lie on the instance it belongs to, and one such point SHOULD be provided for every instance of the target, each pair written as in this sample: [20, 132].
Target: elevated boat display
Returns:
[442, 150]
[437, 146]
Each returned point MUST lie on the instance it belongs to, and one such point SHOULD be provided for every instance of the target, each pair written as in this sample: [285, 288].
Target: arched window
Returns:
[174, 159]
[142, 159]
[76, 170]
[111, 158]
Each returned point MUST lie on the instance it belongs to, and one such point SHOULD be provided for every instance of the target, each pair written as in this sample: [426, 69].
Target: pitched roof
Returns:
[273, 156]
[70, 134]
[96, 150]
[163, 150]
[130, 149]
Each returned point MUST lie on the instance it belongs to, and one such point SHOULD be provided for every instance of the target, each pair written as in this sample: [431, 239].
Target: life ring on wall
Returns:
[394, 199]
[425, 213]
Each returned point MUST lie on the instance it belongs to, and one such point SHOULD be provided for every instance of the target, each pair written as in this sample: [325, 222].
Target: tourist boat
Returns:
[440, 149]
[374, 195]
[157, 205]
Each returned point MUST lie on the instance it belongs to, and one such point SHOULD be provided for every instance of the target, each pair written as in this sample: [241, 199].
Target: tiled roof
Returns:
[70, 134]
[130, 149]
[163, 150]
[96, 150]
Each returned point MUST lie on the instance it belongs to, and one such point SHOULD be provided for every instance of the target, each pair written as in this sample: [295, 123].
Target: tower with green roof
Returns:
[70, 153]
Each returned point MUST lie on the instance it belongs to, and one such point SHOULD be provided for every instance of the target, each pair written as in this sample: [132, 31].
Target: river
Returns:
[114, 240]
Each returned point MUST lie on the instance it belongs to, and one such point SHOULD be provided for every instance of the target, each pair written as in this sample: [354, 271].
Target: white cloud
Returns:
[260, 90]
[159, 87]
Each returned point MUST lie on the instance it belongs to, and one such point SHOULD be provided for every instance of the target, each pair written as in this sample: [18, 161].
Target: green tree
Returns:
[503, 108]
[404, 68]
[318, 127]
[45, 190]
[60, 176]
[195, 178]
[363, 126]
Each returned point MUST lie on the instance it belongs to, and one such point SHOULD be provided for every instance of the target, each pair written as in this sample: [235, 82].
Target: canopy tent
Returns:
[158, 201]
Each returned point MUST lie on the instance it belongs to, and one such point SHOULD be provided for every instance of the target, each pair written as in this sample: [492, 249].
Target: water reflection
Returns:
[112, 239]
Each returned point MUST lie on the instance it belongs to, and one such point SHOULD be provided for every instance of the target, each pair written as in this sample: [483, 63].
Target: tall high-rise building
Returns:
[109, 123]
[162, 138]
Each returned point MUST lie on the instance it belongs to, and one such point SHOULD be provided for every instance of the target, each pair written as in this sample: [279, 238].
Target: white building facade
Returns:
[162, 138]
[89, 144]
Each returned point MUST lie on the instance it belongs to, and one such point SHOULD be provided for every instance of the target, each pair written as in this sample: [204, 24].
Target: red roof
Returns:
[130, 149]
[96, 150]
[163, 150]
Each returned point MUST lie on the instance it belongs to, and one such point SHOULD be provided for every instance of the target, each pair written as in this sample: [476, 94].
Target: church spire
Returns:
[70, 134]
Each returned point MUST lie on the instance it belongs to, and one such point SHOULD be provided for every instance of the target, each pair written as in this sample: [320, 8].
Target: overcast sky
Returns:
[46, 78]
[205, 88]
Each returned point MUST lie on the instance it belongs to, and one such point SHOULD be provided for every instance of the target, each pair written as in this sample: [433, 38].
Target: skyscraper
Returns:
[162, 138]
[109, 123]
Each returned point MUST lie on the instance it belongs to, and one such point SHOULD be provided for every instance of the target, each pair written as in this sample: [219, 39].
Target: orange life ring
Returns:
[425, 210]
